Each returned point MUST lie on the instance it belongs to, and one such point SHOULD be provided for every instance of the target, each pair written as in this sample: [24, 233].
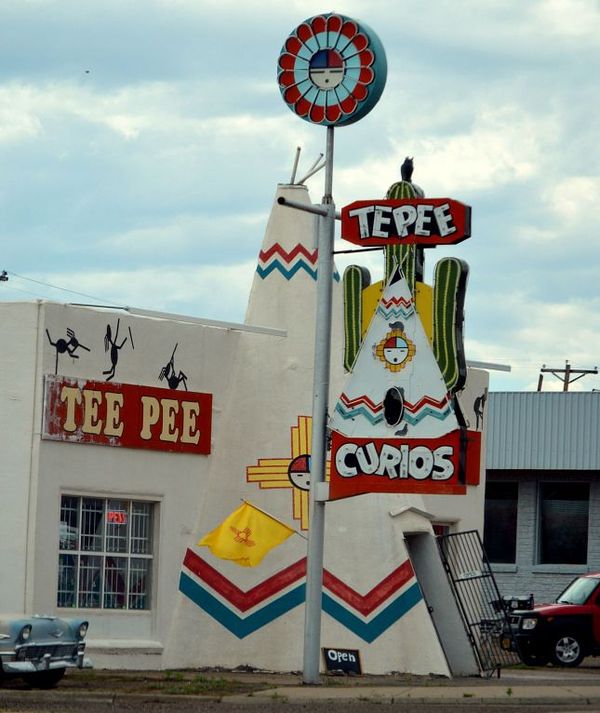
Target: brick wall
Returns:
[526, 576]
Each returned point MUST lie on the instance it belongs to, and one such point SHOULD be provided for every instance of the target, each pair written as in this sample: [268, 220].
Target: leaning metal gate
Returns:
[481, 606]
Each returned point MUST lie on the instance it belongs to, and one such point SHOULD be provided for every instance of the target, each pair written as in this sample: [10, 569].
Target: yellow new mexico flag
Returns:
[246, 536]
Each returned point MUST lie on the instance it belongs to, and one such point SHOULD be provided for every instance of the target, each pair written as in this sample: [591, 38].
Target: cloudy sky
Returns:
[141, 142]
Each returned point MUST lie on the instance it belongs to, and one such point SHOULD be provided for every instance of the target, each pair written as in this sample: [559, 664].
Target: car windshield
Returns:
[578, 591]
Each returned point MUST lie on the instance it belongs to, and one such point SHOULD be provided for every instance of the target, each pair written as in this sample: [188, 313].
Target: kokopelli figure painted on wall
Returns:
[68, 346]
[112, 346]
[173, 377]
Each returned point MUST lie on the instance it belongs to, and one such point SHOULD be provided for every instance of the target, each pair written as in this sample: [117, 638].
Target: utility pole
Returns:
[568, 372]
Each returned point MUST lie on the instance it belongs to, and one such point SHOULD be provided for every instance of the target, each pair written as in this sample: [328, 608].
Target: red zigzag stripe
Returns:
[425, 401]
[397, 301]
[365, 604]
[361, 400]
[299, 249]
[240, 599]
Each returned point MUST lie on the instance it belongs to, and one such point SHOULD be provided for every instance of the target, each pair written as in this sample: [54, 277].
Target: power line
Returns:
[25, 292]
[48, 284]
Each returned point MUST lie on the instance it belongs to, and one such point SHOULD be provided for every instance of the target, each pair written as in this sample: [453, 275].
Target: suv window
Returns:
[578, 591]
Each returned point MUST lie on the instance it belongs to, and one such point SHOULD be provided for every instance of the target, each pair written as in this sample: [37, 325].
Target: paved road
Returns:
[142, 705]
[528, 690]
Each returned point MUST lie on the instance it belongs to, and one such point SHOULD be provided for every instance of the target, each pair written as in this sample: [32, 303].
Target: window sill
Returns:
[83, 612]
[559, 568]
[503, 567]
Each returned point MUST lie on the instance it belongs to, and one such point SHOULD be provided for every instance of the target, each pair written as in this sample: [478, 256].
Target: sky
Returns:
[141, 142]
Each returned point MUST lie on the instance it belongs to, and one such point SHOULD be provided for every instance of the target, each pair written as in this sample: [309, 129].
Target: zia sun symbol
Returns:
[291, 472]
[395, 350]
[243, 536]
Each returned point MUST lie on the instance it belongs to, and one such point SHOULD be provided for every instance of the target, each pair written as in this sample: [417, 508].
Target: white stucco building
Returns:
[127, 436]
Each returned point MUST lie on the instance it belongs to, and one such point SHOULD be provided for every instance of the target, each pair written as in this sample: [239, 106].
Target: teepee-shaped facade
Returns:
[230, 616]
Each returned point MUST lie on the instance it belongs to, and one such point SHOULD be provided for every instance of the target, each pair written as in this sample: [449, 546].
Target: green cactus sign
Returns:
[441, 305]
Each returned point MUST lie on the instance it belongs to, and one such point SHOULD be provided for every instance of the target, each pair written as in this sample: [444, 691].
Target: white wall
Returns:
[18, 392]
[175, 481]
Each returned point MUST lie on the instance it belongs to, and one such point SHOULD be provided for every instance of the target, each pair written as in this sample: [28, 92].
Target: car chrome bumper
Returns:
[44, 664]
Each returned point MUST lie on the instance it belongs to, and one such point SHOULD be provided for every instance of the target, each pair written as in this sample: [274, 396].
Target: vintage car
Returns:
[39, 649]
[562, 633]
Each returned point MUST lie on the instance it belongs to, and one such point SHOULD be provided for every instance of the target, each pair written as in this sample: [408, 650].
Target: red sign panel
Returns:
[422, 221]
[116, 517]
[108, 414]
[427, 466]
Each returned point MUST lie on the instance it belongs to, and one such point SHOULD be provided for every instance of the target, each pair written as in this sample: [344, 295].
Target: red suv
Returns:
[562, 633]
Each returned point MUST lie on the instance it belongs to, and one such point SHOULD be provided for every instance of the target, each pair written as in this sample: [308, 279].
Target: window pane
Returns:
[500, 524]
[139, 583]
[67, 579]
[115, 583]
[564, 523]
[141, 528]
[117, 525]
[90, 580]
[113, 530]
[92, 524]
[69, 523]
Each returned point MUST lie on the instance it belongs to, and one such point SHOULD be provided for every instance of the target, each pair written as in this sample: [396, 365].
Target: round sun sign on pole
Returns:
[332, 70]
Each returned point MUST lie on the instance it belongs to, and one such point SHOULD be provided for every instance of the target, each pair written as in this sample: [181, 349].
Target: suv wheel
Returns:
[567, 650]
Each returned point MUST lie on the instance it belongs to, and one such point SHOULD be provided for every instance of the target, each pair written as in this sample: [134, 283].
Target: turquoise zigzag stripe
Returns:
[360, 411]
[242, 627]
[395, 312]
[409, 418]
[288, 274]
[413, 420]
[369, 631]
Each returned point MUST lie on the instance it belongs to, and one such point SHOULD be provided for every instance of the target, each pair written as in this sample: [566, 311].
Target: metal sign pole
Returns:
[316, 532]
[321, 54]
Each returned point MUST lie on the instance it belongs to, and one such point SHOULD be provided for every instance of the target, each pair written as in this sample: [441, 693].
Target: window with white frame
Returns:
[563, 523]
[105, 553]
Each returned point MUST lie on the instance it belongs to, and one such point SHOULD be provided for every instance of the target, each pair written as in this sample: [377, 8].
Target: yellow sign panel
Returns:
[423, 301]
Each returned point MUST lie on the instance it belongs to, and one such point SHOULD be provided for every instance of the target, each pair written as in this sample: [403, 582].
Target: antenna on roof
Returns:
[313, 169]
[296, 159]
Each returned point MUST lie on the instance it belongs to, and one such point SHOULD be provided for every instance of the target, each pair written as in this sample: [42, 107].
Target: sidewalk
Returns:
[423, 694]
[531, 685]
